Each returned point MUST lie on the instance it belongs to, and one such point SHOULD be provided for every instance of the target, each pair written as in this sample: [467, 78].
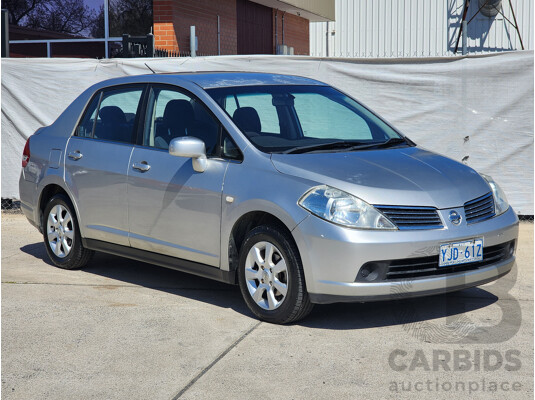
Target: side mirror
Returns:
[190, 147]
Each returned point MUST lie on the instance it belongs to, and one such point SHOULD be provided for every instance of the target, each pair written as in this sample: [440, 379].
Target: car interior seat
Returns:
[179, 119]
[113, 125]
[247, 119]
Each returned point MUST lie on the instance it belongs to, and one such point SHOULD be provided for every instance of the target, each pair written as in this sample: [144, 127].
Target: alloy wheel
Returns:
[60, 231]
[266, 275]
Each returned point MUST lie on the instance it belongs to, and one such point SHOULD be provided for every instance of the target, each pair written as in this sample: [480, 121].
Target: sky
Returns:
[95, 4]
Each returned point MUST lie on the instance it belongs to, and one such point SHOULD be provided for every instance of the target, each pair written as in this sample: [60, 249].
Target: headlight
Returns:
[500, 200]
[341, 208]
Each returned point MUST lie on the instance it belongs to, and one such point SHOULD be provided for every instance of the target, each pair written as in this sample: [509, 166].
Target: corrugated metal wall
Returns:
[417, 28]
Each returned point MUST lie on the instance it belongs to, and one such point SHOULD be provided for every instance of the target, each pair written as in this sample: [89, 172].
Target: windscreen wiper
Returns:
[389, 143]
[340, 144]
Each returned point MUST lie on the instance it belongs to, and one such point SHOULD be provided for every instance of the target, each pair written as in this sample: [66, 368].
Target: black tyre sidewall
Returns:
[68, 261]
[293, 263]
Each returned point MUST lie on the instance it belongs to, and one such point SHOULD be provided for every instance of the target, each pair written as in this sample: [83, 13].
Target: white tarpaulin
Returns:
[476, 109]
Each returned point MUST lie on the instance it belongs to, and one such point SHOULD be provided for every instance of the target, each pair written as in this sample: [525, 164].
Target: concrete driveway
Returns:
[122, 329]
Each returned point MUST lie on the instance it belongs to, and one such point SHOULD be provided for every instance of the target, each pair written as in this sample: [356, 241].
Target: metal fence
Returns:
[11, 206]
[179, 53]
[168, 53]
[138, 46]
[143, 46]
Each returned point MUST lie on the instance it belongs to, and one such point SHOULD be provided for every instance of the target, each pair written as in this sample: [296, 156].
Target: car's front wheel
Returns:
[271, 276]
[61, 234]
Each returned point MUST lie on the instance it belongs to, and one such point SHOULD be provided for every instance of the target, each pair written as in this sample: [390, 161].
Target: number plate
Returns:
[460, 252]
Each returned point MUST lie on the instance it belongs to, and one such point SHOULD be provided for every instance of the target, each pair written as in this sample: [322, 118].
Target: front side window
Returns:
[112, 115]
[284, 118]
[229, 149]
[172, 113]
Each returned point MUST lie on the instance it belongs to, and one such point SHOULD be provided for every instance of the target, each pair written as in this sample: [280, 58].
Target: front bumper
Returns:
[332, 257]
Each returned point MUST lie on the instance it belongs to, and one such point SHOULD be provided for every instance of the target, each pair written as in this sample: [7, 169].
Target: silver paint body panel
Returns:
[98, 183]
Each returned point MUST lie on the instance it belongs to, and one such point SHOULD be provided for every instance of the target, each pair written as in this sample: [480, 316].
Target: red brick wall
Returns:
[173, 18]
[296, 32]
[164, 27]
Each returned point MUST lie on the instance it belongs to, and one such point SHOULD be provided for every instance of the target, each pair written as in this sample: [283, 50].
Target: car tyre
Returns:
[61, 234]
[271, 276]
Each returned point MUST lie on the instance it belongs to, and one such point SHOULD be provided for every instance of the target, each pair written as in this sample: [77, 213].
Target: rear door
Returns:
[97, 162]
[174, 210]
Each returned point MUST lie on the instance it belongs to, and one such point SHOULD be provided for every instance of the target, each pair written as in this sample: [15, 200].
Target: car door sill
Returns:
[178, 264]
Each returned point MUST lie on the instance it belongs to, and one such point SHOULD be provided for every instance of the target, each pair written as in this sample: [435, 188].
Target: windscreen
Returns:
[282, 118]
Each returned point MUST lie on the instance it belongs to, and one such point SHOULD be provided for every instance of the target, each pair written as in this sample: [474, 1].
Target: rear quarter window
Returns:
[85, 128]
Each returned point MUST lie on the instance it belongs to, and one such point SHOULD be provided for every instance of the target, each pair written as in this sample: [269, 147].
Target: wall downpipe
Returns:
[276, 33]
[283, 41]
[218, 36]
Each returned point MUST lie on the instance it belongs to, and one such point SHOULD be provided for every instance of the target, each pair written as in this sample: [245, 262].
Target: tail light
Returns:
[26, 154]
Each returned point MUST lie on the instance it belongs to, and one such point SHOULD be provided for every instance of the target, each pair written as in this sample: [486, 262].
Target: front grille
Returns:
[479, 209]
[411, 268]
[412, 217]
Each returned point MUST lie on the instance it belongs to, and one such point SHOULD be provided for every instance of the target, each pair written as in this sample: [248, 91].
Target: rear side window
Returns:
[112, 115]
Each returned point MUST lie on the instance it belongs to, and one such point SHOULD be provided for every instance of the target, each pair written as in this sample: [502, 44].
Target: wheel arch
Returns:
[49, 190]
[244, 224]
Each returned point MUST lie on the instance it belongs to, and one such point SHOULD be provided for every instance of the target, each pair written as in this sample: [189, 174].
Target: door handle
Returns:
[141, 166]
[75, 155]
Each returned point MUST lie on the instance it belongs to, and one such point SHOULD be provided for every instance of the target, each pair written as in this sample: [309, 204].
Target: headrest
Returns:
[112, 114]
[247, 119]
[179, 112]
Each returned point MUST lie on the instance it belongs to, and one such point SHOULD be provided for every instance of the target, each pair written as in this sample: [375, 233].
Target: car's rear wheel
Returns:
[61, 234]
[271, 276]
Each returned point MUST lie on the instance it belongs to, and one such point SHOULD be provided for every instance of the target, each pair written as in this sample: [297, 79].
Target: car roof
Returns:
[209, 80]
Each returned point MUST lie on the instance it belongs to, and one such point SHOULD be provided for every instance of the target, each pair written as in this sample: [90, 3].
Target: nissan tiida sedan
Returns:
[281, 184]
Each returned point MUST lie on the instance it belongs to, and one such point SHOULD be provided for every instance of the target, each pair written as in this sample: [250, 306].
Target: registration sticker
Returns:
[461, 252]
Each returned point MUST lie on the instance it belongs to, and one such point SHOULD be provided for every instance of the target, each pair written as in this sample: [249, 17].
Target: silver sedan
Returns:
[281, 184]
